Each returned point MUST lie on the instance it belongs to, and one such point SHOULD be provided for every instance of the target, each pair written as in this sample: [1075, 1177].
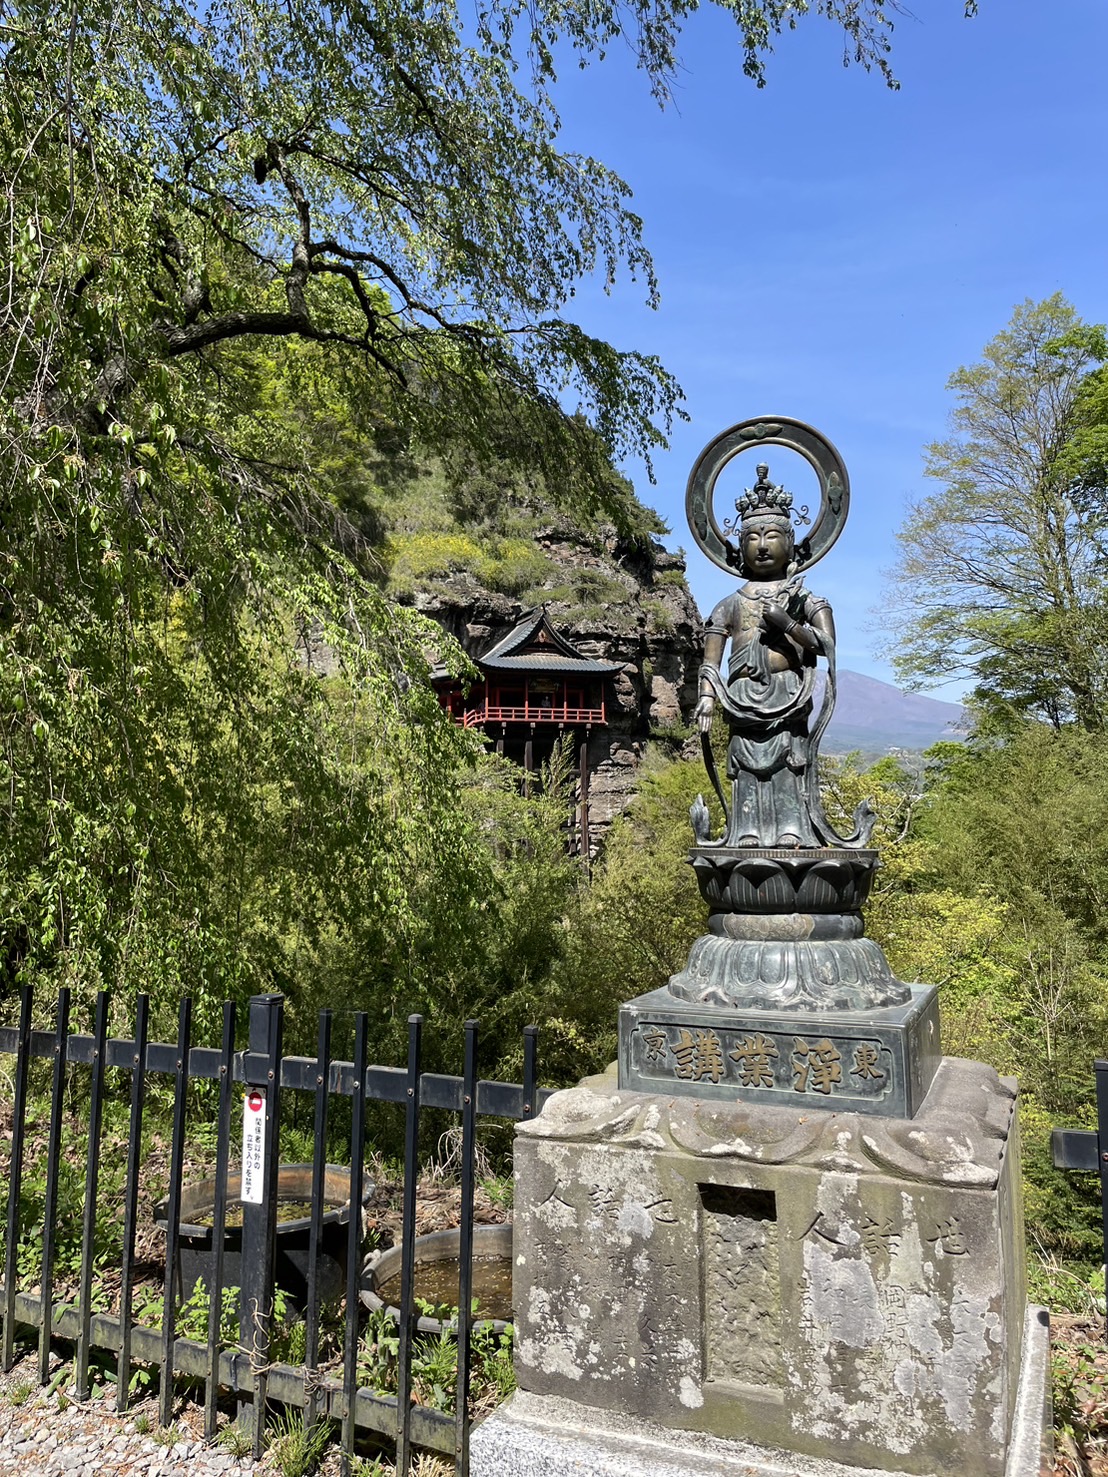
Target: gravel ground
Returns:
[45, 1435]
[82, 1442]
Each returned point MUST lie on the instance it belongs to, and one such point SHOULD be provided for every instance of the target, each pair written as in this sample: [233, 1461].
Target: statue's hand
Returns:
[776, 616]
[702, 716]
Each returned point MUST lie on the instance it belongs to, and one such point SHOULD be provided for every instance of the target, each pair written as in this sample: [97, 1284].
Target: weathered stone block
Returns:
[823, 1283]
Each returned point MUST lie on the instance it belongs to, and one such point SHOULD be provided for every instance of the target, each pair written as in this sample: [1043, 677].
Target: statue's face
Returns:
[766, 551]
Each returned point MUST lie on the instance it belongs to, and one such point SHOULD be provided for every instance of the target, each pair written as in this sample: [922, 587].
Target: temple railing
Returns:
[528, 713]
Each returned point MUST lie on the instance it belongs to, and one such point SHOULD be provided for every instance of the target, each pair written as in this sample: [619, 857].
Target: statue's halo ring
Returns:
[768, 430]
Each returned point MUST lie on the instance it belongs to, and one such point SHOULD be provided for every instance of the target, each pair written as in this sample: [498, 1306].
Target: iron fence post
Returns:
[171, 1287]
[353, 1244]
[53, 1169]
[407, 1248]
[1101, 1067]
[130, 1201]
[219, 1217]
[465, 1250]
[319, 1173]
[15, 1175]
[262, 1073]
[92, 1183]
[530, 1070]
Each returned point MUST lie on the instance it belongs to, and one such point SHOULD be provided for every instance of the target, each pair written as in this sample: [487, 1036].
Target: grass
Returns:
[435, 1364]
[236, 1440]
[294, 1448]
[1071, 1289]
[425, 1465]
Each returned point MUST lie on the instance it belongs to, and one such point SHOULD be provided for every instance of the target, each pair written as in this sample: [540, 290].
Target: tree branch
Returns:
[190, 339]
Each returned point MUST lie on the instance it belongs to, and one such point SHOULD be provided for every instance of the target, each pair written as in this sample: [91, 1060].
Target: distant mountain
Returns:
[876, 716]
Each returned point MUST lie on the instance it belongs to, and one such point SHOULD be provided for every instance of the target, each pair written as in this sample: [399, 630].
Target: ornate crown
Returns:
[764, 500]
[764, 497]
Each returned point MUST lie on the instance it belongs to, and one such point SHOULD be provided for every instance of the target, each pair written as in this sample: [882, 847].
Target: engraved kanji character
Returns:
[866, 1057]
[878, 1236]
[602, 1199]
[948, 1234]
[699, 1055]
[813, 1328]
[814, 1225]
[655, 1041]
[662, 1212]
[821, 1065]
[893, 1305]
[753, 1055]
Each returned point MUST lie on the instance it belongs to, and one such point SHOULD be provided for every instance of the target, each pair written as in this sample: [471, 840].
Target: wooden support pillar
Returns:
[528, 765]
[583, 784]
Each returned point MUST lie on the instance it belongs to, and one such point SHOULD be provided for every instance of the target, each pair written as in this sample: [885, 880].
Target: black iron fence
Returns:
[1087, 1148]
[256, 1081]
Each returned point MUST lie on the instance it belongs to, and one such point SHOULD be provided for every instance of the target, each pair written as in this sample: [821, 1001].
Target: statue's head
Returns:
[766, 537]
[768, 547]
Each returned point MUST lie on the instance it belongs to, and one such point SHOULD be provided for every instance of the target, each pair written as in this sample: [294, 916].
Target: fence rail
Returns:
[246, 1372]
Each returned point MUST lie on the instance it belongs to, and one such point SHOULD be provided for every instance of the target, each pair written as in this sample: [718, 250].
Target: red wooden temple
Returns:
[535, 685]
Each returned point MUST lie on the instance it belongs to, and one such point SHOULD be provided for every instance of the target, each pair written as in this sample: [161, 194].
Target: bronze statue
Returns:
[784, 968]
[777, 629]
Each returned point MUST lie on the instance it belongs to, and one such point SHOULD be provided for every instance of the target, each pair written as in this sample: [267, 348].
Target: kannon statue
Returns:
[778, 630]
[785, 890]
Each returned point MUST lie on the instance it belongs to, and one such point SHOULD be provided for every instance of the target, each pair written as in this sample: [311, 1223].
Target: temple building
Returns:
[535, 686]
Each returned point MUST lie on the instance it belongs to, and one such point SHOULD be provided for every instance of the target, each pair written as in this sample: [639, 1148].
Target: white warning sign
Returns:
[253, 1145]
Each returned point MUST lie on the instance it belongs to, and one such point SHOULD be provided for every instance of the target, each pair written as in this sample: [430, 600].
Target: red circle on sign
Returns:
[255, 1101]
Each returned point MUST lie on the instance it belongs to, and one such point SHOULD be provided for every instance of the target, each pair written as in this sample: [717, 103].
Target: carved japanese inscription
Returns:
[764, 1063]
[742, 1285]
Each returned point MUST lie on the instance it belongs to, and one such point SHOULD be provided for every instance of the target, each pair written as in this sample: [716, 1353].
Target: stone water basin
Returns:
[436, 1278]
[196, 1256]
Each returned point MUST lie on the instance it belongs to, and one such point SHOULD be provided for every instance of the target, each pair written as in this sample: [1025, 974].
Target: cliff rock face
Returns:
[630, 606]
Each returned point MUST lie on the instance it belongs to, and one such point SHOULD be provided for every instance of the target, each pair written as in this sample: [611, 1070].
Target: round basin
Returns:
[196, 1260]
[436, 1278]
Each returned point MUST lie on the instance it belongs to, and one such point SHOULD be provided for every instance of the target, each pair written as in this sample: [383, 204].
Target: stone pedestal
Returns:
[841, 1288]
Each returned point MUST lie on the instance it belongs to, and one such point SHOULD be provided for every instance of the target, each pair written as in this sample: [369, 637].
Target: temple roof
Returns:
[535, 646]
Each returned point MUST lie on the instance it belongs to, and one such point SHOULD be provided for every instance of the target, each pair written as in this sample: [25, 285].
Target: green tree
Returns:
[634, 924]
[383, 180]
[1014, 829]
[1010, 844]
[1002, 573]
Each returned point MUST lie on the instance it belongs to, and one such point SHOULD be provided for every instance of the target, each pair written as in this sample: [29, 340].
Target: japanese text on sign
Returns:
[253, 1145]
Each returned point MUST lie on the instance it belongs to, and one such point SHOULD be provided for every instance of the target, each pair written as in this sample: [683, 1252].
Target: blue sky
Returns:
[832, 251]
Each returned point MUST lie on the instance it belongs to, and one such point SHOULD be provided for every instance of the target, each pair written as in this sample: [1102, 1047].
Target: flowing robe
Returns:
[767, 699]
